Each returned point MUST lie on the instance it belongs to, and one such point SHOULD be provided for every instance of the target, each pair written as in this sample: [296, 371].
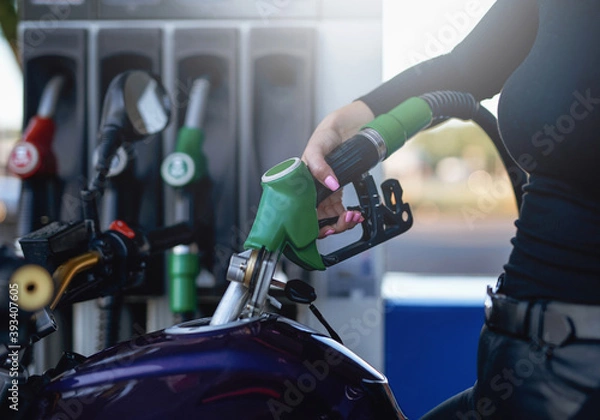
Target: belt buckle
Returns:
[490, 293]
[487, 304]
[506, 314]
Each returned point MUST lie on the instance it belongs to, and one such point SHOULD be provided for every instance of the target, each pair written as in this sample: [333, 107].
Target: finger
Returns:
[331, 206]
[320, 144]
[348, 220]
[319, 169]
[331, 209]
[326, 231]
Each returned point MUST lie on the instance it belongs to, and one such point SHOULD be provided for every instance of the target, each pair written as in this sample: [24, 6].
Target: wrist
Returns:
[349, 119]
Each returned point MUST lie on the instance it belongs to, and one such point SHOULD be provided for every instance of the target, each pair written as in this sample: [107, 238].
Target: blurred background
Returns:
[464, 211]
[11, 116]
[428, 283]
[461, 196]
[451, 175]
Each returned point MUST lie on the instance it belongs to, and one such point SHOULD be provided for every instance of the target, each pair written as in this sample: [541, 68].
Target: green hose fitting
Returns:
[286, 219]
[188, 164]
[183, 269]
[401, 123]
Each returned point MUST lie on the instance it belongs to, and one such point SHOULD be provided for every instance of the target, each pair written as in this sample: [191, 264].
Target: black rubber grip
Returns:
[166, 238]
[349, 161]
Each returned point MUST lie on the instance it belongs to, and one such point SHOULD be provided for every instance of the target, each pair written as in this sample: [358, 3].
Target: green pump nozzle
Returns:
[184, 168]
[286, 219]
[183, 266]
[188, 163]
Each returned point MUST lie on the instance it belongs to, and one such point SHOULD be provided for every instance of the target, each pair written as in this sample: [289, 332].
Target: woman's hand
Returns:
[338, 126]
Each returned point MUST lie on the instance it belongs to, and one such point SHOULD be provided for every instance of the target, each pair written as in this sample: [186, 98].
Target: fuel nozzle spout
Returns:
[197, 104]
[50, 95]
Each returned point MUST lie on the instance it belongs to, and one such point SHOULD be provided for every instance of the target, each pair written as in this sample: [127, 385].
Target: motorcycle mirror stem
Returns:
[135, 106]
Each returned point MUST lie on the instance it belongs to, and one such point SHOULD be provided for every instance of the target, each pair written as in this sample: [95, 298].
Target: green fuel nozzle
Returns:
[188, 163]
[286, 220]
[183, 169]
[183, 267]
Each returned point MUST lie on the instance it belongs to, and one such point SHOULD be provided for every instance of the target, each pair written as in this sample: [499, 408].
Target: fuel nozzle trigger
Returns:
[383, 220]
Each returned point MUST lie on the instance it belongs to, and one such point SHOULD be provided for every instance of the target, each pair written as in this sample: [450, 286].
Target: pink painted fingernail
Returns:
[331, 183]
[362, 219]
[356, 217]
[348, 217]
[329, 232]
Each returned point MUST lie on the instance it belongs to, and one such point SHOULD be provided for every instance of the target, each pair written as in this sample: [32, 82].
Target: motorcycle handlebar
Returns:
[166, 238]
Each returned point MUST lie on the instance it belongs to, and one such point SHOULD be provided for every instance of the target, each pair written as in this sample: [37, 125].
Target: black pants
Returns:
[519, 379]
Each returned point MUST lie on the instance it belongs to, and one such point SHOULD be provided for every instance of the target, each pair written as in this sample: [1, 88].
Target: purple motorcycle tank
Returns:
[267, 367]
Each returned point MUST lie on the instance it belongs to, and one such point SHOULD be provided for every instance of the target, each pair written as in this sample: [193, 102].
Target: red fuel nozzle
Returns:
[33, 155]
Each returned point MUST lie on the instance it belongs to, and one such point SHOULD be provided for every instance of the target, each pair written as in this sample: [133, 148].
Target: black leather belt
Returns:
[546, 322]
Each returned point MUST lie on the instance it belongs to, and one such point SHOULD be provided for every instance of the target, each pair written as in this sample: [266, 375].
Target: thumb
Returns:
[318, 167]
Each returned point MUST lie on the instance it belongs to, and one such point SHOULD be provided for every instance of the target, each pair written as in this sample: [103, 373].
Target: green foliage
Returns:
[8, 23]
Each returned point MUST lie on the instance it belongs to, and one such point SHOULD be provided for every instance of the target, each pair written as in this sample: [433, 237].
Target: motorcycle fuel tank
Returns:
[268, 367]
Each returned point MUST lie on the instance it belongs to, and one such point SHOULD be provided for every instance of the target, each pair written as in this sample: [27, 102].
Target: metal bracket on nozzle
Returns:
[383, 220]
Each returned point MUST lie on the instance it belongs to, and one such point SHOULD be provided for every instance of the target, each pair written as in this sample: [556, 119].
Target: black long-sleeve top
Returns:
[544, 58]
